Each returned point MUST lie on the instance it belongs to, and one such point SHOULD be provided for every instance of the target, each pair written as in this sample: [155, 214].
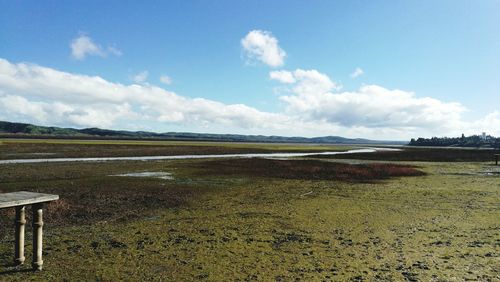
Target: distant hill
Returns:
[25, 130]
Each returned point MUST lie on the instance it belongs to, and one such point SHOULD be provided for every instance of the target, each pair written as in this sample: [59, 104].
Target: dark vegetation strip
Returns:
[12, 150]
[304, 169]
[32, 151]
[423, 154]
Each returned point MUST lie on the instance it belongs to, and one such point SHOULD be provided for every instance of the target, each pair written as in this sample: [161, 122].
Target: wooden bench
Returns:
[19, 200]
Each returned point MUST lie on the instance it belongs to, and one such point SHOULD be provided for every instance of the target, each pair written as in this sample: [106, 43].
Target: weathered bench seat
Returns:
[23, 198]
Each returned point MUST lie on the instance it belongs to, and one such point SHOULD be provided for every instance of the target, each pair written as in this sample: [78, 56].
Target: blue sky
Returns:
[425, 67]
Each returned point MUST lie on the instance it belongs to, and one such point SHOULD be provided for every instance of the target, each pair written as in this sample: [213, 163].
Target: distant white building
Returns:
[483, 136]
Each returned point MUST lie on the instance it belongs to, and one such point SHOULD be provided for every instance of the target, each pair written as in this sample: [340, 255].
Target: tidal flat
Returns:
[388, 216]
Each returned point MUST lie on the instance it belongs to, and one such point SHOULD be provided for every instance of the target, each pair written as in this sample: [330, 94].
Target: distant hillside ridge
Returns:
[26, 130]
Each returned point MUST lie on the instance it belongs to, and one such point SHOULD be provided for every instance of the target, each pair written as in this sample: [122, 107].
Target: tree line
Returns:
[463, 141]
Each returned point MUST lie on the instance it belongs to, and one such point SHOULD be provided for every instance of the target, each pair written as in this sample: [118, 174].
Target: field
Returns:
[415, 215]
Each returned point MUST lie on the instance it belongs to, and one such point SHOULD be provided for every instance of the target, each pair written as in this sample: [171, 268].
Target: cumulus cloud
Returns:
[83, 46]
[370, 106]
[314, 97]
[304, 82]
[262, 46]
[357, 72]
[140, 77]
[166, 79]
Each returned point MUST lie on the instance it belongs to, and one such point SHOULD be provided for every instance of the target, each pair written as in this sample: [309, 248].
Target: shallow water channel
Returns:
[181, 157]
[148, 174]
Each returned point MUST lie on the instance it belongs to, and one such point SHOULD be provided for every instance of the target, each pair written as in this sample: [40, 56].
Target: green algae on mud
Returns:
[251, 224]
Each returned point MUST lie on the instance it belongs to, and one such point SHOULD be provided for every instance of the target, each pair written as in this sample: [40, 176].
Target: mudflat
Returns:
[314, 218]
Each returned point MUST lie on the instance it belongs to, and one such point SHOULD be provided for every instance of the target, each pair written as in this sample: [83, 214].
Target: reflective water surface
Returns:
[150, 174]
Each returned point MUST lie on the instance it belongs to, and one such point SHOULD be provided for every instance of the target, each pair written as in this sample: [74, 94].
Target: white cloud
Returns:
[83, 45]
[166, 79]
[282, 76]
[54, 97]
[95, 115]
[305, 82]
[357, 72]
[370, 106]
[489, 124]
[20, 106]
[263, 46]
[140, 77]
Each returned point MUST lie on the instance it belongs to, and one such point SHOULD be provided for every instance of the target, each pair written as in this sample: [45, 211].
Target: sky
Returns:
[386, 70]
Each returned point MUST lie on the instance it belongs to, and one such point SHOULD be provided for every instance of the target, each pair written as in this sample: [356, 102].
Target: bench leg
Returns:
[37, 236]
[19, 240]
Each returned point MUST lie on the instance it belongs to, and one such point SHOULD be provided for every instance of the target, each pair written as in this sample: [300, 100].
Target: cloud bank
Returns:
[312, 96]
[53, 97]
[313, 106]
